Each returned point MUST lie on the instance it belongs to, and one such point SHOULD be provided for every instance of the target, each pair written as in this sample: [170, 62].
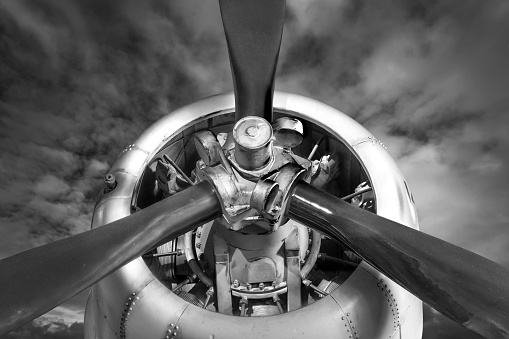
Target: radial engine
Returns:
[253, 261]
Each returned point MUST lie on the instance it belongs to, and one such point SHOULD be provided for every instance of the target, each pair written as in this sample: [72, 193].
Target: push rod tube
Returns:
[469, 289]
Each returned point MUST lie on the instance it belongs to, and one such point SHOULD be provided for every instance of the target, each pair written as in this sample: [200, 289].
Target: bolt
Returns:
[235, 283]
[261, 286]
[110, 181]
[198, 245]
[248, 286]
[198, 234]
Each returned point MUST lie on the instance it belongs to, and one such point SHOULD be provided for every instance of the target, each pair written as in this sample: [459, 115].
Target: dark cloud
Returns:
[47, 330]
[81, 80]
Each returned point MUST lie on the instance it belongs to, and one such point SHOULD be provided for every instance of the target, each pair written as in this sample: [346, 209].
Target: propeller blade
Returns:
[253, 32]
[35, 281]
[469, 289]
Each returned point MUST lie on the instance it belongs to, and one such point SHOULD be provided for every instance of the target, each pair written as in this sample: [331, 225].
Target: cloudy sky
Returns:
[80, 80]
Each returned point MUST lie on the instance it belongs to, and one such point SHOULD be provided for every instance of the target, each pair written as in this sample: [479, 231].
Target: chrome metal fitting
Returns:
[288, 132]
[208, 148]
[253, 143]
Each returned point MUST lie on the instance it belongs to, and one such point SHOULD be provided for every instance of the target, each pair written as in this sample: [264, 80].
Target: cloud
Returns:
[47, 329]
[79, 81]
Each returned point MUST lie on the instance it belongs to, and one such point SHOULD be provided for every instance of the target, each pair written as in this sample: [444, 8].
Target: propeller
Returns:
[469, 289]
[35, 281]
[253, 32]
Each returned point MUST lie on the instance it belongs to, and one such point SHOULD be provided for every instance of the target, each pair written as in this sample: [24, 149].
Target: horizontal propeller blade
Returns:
[469, 289]
[253, 33]
[35, 281]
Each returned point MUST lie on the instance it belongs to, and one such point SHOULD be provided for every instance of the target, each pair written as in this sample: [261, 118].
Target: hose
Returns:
[193, 263]
[313, 254]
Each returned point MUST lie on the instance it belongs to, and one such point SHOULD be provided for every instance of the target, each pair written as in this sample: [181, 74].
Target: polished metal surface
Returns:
[253, 147]
[288, 131]
[326, 318]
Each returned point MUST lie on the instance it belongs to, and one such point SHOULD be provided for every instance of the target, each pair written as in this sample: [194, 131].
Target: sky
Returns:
[80, 80]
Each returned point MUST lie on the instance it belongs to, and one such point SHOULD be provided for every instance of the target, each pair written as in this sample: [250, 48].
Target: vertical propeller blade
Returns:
[467, 288]
[253, 31]
[35, 281]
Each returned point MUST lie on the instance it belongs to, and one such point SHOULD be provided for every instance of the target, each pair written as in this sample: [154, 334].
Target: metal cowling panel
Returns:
[157, 307]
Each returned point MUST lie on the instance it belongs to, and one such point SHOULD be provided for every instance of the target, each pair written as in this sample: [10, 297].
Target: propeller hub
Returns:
[253, 146]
